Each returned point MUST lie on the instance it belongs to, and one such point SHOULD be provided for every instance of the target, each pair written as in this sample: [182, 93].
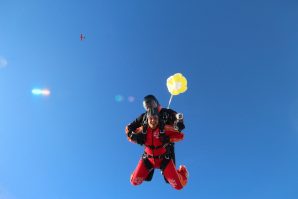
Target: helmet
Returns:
[152, 112]
[150, 102]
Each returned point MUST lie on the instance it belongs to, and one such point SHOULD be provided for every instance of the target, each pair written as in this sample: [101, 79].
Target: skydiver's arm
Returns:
[136, 123]
[135, 137]
[174, 135]
[172, 120]
[132, 130]
[168, 115]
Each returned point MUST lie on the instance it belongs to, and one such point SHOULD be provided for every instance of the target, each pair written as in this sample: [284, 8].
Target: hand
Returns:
[136, 137]
[140, 140]
[165, 139]
[180, 126]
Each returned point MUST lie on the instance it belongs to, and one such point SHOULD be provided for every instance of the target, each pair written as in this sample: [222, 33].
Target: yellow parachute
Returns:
[176, 84]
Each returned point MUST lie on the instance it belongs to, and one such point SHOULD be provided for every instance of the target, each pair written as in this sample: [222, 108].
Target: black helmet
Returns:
[150, 102]
[152, 112]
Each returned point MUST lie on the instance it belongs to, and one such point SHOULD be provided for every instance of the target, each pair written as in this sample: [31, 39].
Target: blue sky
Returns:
[241, 106]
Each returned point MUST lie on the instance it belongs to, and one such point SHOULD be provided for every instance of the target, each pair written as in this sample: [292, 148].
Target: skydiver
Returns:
[166, 117]
[156, 153]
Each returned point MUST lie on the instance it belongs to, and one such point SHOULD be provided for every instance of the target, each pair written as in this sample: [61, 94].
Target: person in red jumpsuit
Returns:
[156, 154]
[166, 117]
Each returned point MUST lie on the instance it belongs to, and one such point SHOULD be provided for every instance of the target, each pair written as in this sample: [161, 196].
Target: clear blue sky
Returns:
[241, 106]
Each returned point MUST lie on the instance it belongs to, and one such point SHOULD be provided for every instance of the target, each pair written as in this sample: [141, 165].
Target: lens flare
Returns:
[119, 98]
[131, 98]
[43, 92]
[3, 62]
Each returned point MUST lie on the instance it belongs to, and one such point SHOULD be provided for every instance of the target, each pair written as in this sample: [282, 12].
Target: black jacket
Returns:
[167, 116]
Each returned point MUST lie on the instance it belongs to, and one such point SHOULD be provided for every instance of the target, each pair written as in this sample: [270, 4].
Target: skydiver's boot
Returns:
[183, 175]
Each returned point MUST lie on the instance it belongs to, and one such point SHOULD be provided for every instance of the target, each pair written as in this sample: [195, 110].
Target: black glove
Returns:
[165, 139]
[129, 134]
[180, 126]
[140, 140]
[136, 137]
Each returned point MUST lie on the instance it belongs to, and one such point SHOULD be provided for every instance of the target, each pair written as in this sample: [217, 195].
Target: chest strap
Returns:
[155, 147]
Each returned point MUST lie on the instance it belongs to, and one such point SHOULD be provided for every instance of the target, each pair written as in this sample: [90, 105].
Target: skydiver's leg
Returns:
[171, 150]
[176, 178]
[140, 173]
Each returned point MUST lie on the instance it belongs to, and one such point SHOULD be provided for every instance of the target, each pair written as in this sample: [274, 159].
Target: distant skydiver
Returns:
[82, 37]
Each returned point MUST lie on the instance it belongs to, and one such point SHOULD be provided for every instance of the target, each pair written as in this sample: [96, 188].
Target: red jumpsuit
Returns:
[156, 154]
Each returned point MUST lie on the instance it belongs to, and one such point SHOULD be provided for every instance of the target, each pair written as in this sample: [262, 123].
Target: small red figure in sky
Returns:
[82, 37]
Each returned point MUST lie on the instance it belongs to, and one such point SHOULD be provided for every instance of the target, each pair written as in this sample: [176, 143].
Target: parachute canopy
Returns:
[177, 84]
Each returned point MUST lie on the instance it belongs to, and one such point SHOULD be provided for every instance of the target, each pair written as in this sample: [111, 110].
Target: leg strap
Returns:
[149, 167]
[164, 163]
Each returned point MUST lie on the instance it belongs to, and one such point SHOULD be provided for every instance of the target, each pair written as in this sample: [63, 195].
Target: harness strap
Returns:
[149, 167]
[155, 147]
[144, 124]
[164, 164]
[164, 156]
[147, 163]
[150, 175]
